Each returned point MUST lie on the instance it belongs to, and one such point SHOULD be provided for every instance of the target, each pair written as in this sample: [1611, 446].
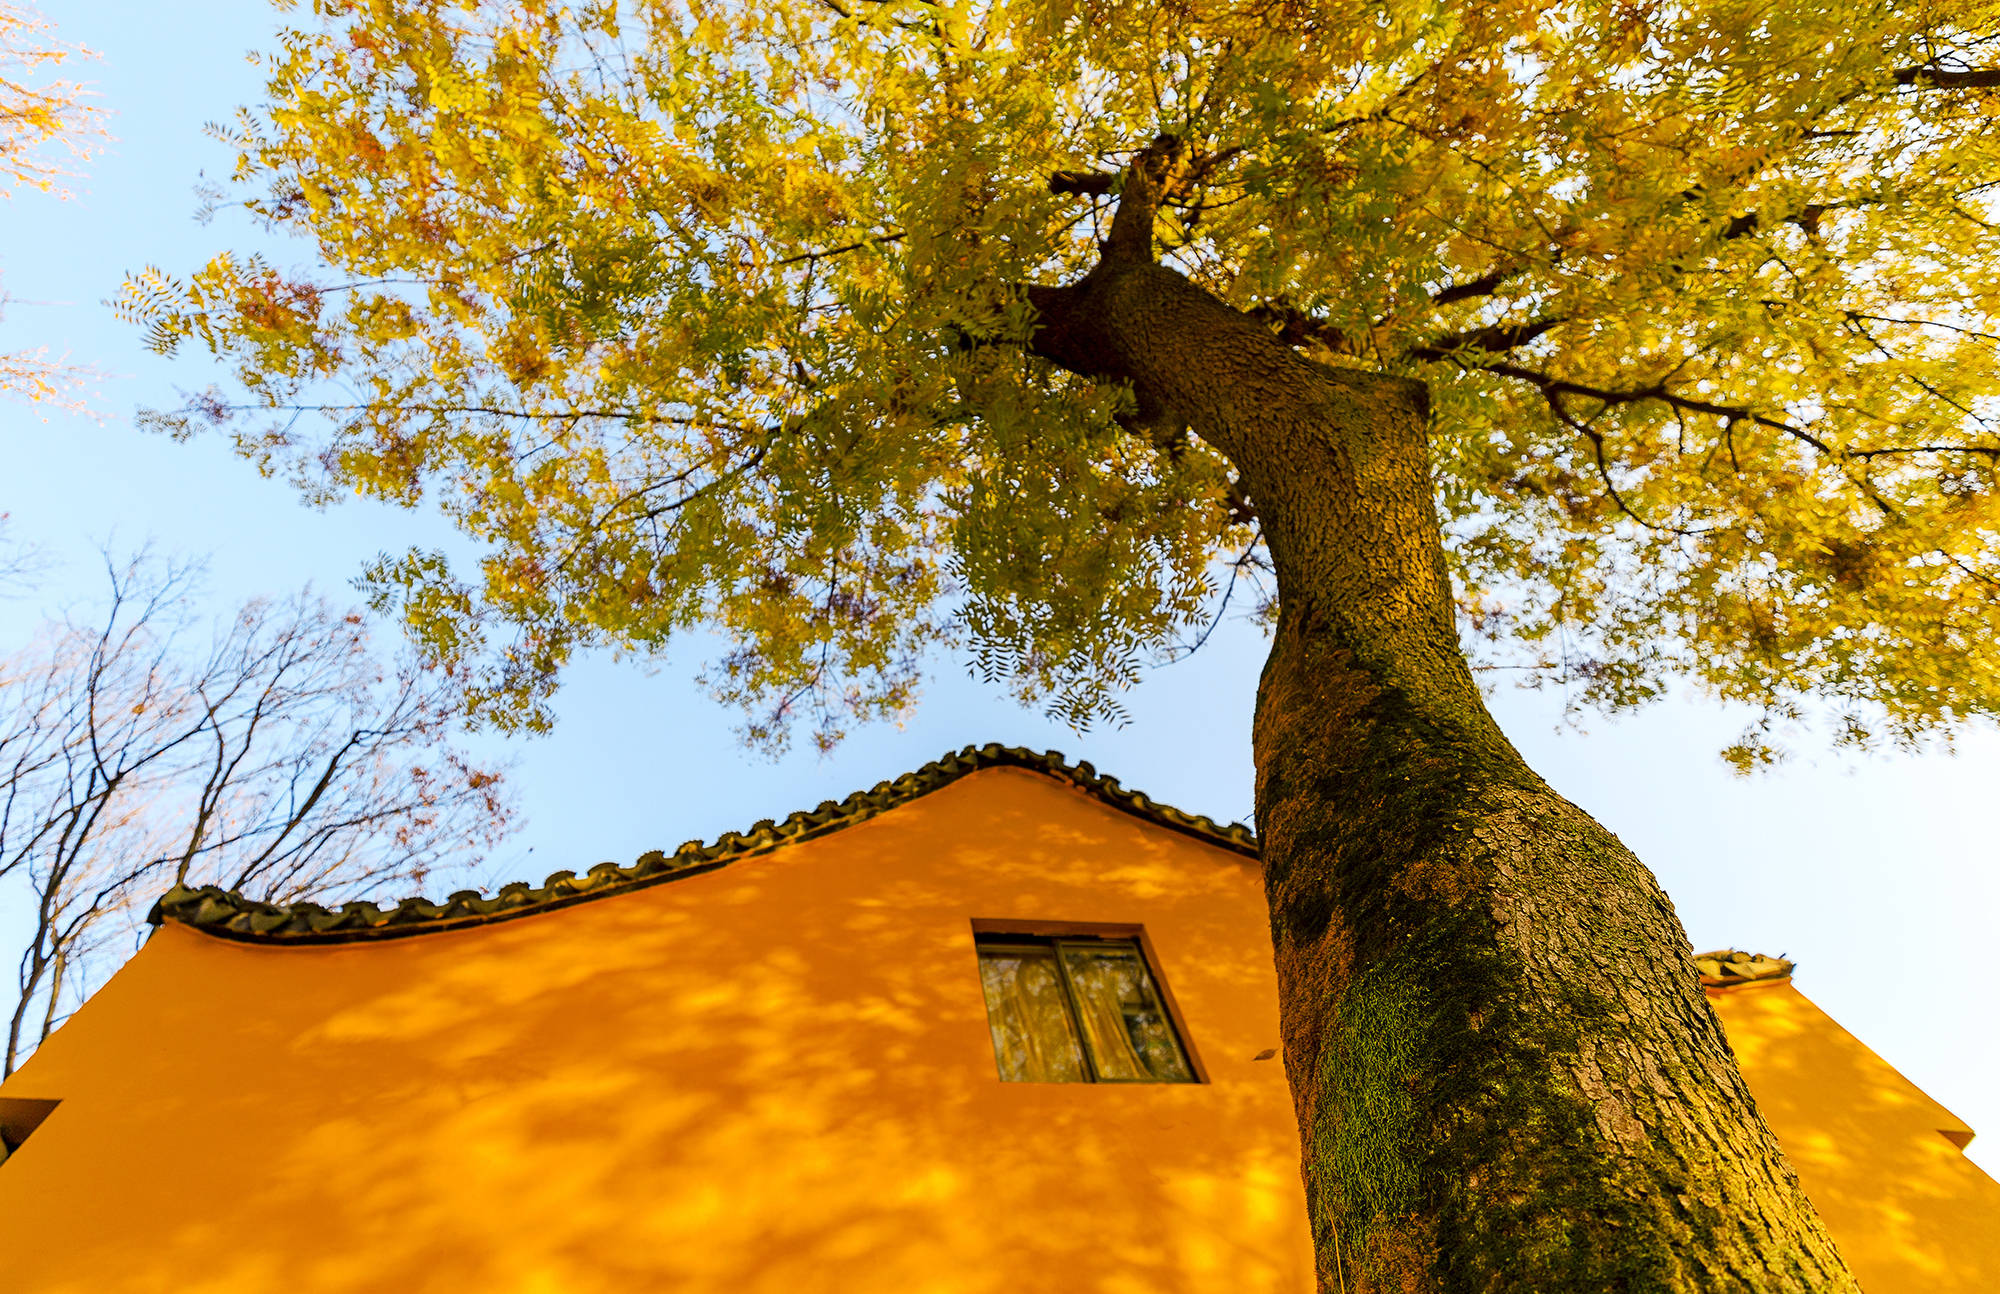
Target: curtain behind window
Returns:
[1123, 1019]
[1034, 1040]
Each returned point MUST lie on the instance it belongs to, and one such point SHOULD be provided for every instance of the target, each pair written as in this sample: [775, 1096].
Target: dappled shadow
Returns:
[775, 1077]
[1910, 1212]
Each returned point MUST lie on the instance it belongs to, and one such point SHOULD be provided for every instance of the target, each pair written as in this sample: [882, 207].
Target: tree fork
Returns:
[1505, 1072]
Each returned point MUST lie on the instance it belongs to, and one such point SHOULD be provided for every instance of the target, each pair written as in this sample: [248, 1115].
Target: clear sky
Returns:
[1880, 876]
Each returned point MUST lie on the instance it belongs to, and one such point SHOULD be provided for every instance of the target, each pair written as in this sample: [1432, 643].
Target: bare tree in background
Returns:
[18, 562]
[277, 758]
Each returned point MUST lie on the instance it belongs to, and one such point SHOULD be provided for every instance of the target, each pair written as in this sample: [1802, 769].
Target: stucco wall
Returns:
[775, 1077]
[1880, 1159]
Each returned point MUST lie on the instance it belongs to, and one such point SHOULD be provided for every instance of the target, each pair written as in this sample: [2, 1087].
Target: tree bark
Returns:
[1506, 1075]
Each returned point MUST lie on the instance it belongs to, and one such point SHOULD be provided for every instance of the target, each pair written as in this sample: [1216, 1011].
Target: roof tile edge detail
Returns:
[1730, 967]
[228, 915]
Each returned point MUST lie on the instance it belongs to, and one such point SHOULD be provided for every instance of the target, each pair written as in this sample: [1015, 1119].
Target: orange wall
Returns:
[775, 1077]
[1910, 1212]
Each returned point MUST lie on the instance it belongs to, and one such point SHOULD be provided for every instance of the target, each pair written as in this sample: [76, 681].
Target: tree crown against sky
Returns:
[699, 314]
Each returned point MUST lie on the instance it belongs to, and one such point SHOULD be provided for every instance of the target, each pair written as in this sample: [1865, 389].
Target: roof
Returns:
[230, 915]
[1731, 967]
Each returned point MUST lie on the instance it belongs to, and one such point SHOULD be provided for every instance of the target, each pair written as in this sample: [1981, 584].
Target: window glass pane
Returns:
[1034, 1039]
[1123, 1020]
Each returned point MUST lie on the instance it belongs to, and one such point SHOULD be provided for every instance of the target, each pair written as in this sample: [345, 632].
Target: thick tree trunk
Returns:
[1507, 1077]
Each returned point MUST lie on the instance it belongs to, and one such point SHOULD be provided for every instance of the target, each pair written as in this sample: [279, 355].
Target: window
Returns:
[1077, 1010]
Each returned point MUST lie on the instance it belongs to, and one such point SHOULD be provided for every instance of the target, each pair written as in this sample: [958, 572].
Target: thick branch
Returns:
[1930, 76]
[1806, 218]
[1101, 184]
[1096, 183]
[1494, 338]
[1297, 328]
[1483, 286]
[1147, 182]
[1242, 512]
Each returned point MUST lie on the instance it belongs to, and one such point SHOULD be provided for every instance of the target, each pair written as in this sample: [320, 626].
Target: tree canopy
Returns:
[708, 314]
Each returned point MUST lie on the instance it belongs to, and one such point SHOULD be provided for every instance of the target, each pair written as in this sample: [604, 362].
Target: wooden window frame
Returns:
[1051, 937]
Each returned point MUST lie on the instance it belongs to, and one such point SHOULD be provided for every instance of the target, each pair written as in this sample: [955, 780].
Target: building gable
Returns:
[774, 1076]
[230, 915]
[765, 1064]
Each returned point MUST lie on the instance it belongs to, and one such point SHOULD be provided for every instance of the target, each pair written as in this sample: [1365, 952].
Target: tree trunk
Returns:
[1506, 1075]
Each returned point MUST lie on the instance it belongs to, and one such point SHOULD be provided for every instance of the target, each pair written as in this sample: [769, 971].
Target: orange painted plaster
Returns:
[1881, 1160]
[777, 1077]
[773, 1077]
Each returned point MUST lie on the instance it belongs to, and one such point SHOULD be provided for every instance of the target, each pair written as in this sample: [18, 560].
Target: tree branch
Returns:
[1984, 451]
[1147, 182]
[1483, 286]
[1596, 439]
[1547, 384]
[1241, 511]
[895, 236]
[1297, 328]
[1929, 76]
[1097, 184]
[1495, 338]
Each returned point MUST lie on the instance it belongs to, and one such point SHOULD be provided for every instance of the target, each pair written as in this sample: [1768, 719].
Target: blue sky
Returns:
[1877, 874]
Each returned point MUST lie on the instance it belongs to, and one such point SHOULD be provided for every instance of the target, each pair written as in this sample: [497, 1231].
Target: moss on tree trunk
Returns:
[1506, 1075]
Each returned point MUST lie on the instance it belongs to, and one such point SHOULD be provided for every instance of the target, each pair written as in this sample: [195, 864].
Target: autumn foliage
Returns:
[48, 129]
[670, 305]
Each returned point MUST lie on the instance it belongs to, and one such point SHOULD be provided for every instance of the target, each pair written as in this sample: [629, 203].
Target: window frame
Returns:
[1050, 937]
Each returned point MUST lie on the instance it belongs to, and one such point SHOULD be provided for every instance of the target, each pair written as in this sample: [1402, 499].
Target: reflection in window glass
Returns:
[1123, 1020]
[1077, 1011]
[1034, 1038]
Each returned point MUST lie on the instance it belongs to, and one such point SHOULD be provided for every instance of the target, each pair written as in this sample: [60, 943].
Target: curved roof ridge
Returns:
[1729, 967]
[227, 914]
